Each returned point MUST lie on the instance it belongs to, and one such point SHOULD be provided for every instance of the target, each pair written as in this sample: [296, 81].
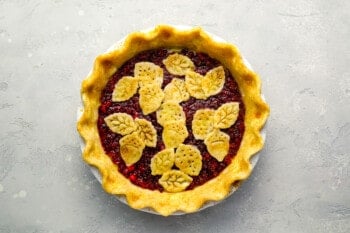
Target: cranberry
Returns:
[133, 178]
[104, 107]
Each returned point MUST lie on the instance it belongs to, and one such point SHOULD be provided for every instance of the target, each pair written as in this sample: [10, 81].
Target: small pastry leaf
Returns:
[148, 73]
[174, 133]
[188, 159]
[162, 161]
[217, 144]
[178, 64]
[125, 88]
[226, 115]
[120, 123]
[151, 97]
[170, 111]
[176, 91]
[213, 81]
[193, 82]
[131, 147]
[147, 132]
[175, 181]
[202, 123]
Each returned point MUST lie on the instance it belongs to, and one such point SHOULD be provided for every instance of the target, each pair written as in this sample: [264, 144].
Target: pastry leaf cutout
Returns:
[206, 125]
[147, 132]
[174, 133]
[188, 159]
[202, 123]
[178, 64]
[163, 161]
[151, 97]
[120, 123]
[148, 73]
[169, 112]
[193, 82]
[202, 87]
[175, 181]
[137, 133]
[131, 148]
[125, 88]
[217, 143]
[176, 91]
[226, 115]
[213, 81]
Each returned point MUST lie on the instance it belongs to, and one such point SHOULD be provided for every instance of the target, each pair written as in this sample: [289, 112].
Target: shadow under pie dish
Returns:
[171, 119]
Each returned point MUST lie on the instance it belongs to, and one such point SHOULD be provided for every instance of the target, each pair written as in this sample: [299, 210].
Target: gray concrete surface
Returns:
[301, 50]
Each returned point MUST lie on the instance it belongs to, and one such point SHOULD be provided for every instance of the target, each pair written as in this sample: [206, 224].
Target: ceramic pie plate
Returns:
[254, 159]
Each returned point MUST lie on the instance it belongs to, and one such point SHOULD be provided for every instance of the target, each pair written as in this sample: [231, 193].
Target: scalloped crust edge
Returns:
[216, 189]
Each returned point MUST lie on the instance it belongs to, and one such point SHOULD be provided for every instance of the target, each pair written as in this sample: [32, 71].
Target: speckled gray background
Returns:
[301, 49]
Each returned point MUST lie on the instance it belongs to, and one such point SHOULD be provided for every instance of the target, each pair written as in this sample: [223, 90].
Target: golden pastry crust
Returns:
[195, 39]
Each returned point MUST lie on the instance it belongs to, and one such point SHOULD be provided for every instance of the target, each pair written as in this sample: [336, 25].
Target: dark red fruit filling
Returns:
[140, 172]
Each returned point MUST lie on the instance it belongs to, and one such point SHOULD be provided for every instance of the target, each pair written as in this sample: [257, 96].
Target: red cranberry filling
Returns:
[140, 172]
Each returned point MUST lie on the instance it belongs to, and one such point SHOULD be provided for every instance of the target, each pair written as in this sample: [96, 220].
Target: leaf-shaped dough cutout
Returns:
[151, 97]
[226, 115]
[131, 147]
[178, 64]
[217, 144]
[176, 91]
[170, 111]
[120, 123]
[146, 132]
[203, 123]
[188, 159]
[125, 88]
[175, 181]
[193, 83]
[162, 161]
[148, 73]
[174, 133]
[214, 81]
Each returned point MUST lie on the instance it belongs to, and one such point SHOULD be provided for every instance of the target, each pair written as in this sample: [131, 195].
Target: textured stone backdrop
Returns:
[300, 48]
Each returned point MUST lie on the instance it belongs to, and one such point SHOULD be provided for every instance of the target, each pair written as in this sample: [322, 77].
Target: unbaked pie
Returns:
[171, 118]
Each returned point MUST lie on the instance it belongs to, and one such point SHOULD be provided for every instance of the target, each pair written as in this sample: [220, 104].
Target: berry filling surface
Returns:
[140, 172]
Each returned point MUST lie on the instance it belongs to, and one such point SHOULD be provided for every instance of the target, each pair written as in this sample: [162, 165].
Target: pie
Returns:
[171, 119]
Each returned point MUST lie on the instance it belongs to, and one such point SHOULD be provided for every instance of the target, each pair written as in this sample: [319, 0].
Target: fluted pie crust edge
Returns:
[256, 113]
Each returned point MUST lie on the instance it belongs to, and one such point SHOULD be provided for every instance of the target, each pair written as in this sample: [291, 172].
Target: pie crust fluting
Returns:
[166, 203]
